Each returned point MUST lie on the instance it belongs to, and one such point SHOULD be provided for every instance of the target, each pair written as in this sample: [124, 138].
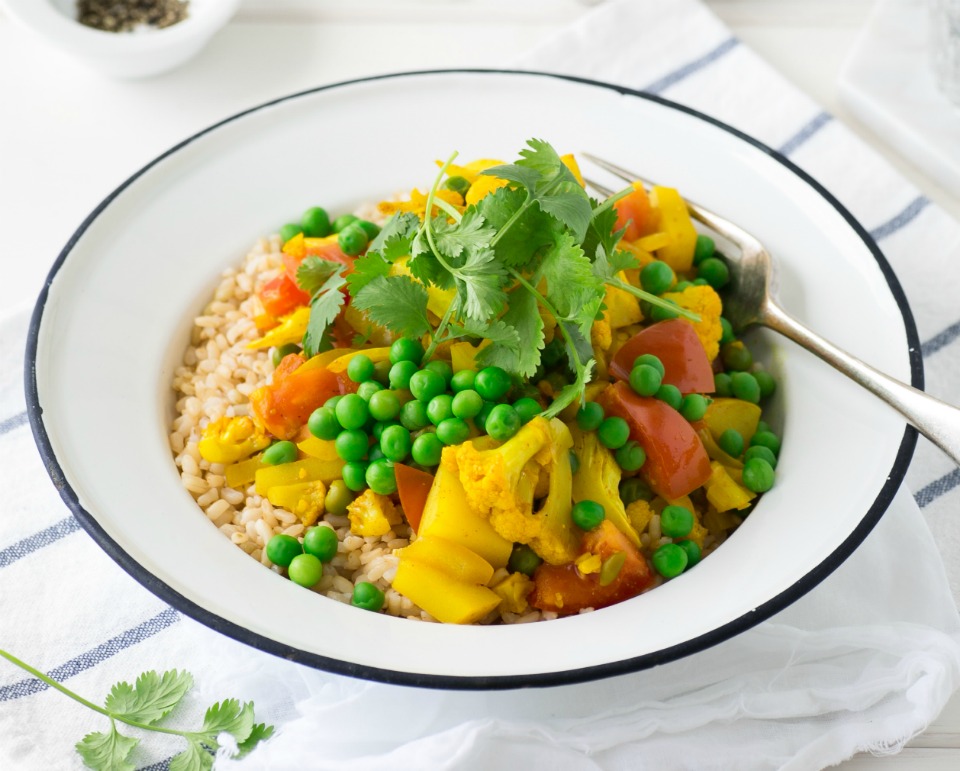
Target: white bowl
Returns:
[135, 54]
[114, 321]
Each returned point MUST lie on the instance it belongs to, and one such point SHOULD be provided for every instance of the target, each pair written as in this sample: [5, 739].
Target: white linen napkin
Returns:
[863, 662]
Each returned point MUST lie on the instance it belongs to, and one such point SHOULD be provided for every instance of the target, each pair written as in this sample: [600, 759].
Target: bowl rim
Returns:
[477, 682]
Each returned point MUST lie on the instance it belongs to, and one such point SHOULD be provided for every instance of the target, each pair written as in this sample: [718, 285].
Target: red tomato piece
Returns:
[282, 296]
[322, 248]
[565, 590]
[285, 405]
[677, 464]
[635, 214]
[413, 487]
[676, 344]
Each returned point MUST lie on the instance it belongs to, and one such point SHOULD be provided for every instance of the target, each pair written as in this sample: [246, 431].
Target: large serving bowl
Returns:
[115, 317]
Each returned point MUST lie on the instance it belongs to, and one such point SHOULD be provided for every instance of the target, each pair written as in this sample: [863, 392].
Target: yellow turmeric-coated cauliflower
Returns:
[705, 302]
[372, 515]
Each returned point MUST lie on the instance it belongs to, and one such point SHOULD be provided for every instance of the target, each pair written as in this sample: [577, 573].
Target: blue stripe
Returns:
[93, 656]
[658, 86]
[905, 217]
[941, 340]
[8, 424]
[811, 128]
[161, 765]
[937, 488]
[30, 544]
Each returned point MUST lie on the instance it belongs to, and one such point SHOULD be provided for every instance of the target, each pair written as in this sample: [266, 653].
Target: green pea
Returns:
[439, 408]
[425, 384]
[316, 222]
[762, 425]
[382, 425]
[635, 489]
[427, 449]
[352, 240]
[492, 383]
[395, 442]
[610, 568]
[442, 368]
[722, 385]
[457, 184]
[283, 351]
[367, 596]
[413, 415]
[480, 421]
[660, 313]
[587, 514]
[693, 407]
[731, 442]
[367, 389]
[289, 231]
[700, 282]
[631, 456]
[715, 271]
[670, 394]
[463, 380]
[766, 439]
[466, 404]
[280, 452]
[656, 277]
[323, 423]
[375, 453]
[381, 371]
[381, 478]
[401, 373]
[590, 416]
[745, 386]
[758, 475]
[352, 444]
[676, 521]
[343, 221]
[406, 349]
[527, 408]
[370, 228]
[321, 542]
[453, 431]
[669, 560]
[681, 285]
[352, 411]
[360, 368]
[650, 360]
[503, 422]
[354, 475]
[759, 451]
[705, 247]
[282, 548]
[736, 356]
[523, 559]
[766, 382]
[726, 332]
[693, 552]
[613, 433]
[574, 462]
[384, 405]
[305, 570]
[333, 401]
[338, 497]
[645, 380]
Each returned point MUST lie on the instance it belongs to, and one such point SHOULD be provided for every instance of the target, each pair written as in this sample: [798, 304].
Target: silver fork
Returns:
[752, 300]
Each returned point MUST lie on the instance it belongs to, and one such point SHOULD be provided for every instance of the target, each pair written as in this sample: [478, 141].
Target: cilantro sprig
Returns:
[143, 705]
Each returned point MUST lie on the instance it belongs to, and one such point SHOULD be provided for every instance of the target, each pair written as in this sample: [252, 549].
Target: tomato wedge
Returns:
[324, 248]
[282, 296]
[565, 590]
[285, 405]
[413, 486]
[676, 344]
[677, 464]
[635, 214]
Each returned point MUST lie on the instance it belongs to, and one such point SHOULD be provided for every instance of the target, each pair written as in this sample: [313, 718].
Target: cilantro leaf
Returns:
[518, 246]
[528, 178]
[602, 232]
[495, 331]
[314, 272]
[571, 282]
[227, 716]
[622, 260]
[570, 392]
[152, 697]
[522, 356]
[260, 733]
[541, 157]
[396, 302]
[470, 234]
[324, 308]
[558, 192]
[107, 751]
[396, 235]
[481, 284]
[196, 757]
[365, 270]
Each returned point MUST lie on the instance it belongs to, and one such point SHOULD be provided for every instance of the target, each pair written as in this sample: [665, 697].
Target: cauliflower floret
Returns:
[372, 515]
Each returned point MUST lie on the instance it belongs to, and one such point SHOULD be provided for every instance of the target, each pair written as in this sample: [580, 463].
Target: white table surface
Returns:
[68, 137]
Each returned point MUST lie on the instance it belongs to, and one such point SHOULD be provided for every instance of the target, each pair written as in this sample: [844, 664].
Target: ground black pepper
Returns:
[124, 15]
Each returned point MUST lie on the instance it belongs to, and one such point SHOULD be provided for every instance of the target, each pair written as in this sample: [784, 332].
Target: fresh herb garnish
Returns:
[143, 705]
[322, 280]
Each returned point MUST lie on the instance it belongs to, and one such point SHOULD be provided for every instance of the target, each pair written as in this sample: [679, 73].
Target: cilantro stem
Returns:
[611, 201]
[436, 338]
[448, 208]
[428, 214]
[652, 298]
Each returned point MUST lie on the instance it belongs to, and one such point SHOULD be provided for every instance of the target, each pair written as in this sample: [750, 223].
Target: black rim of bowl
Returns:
[485, 682]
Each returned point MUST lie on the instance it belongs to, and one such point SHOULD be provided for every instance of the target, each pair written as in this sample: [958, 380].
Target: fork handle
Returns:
[935, 419]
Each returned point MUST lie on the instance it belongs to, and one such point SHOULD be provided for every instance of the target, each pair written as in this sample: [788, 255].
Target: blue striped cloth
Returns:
[849, 667]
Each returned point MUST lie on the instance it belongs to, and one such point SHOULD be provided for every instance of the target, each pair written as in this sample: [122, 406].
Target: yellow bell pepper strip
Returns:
[706, 303]
[447, 600]
[447, 514]
[296, 247]
[290, 330]
[513, 591]
[558, 540]
[318, 448]
[372, 514]
[227, 440]
[306, 470]
[724, 413]
[675, 222]
[723, 492]
[464, 355]
[482, 187]
[571, 163]
[455, 560]
[715, 453]
[623, 309]
[417, 204]
[470, 171]
[304, 499]
[242, 473]
[598, 479]
[323, 359]
[654, 241]
[376, 355]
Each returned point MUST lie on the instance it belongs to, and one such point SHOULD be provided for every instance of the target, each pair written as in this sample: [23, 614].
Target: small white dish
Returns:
[114, 320]
[140, 53]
